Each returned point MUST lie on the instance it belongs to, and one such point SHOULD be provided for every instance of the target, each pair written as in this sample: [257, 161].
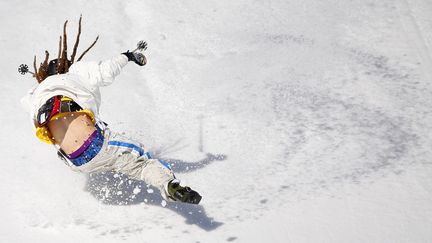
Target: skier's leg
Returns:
[151, 171]
[136, 163]
[157, 173]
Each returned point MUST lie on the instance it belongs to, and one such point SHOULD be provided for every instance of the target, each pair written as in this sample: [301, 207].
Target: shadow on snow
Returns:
[117, 189]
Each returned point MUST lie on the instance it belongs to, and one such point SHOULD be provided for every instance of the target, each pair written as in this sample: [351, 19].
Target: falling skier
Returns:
[64, 108]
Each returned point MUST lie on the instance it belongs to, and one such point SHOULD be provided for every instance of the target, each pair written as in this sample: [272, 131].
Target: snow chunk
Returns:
[163, 203]
[136, 190]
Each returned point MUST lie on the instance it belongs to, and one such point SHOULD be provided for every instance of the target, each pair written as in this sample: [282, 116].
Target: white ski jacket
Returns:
[81, 84]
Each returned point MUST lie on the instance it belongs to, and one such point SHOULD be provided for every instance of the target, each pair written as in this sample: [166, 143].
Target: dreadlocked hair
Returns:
[63, 62]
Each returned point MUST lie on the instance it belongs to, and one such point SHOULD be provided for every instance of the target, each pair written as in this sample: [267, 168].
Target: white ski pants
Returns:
[128, 157]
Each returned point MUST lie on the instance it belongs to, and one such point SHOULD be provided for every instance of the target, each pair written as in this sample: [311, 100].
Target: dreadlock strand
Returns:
[64, 52]
[60, 65]
[43, 69]
[63, 62]
[36, 75]
[45, 63]
[77, 41]
[82, 55]
[59, 50]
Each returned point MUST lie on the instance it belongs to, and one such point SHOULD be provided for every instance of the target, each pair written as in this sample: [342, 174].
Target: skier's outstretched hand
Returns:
[135, 56]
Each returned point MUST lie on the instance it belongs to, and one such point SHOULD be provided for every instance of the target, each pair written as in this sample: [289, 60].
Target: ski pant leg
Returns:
[129, 157]
[138, 164]
[151, 171]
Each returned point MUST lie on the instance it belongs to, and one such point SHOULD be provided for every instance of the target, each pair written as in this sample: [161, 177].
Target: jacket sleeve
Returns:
[26, 104]
[100, 73]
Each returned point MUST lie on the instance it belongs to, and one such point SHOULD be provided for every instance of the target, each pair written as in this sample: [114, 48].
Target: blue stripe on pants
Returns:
[128, 145]
[165, 164]
[139, 150]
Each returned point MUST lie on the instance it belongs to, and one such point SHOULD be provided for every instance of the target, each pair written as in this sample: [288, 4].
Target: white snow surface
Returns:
[298, 121]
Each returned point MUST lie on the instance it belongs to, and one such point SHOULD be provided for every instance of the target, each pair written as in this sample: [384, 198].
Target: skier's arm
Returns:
[111, 68]
[100, 73]
[27, 103]
[103, 73]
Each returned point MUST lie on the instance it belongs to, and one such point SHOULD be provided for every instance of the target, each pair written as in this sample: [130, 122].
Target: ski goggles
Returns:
[53, 106]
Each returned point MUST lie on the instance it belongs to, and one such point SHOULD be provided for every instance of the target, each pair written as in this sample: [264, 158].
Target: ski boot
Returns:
[182, 194]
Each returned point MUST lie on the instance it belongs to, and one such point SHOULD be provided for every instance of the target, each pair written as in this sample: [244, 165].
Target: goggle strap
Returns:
[56, 108]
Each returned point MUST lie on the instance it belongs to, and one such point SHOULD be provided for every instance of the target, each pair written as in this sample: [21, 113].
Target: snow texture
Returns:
[298, 121]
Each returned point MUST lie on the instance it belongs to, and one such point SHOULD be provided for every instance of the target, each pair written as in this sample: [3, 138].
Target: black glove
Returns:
[137, 57]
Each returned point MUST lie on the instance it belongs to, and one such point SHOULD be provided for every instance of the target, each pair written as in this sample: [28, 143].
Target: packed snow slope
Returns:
[298, 121]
